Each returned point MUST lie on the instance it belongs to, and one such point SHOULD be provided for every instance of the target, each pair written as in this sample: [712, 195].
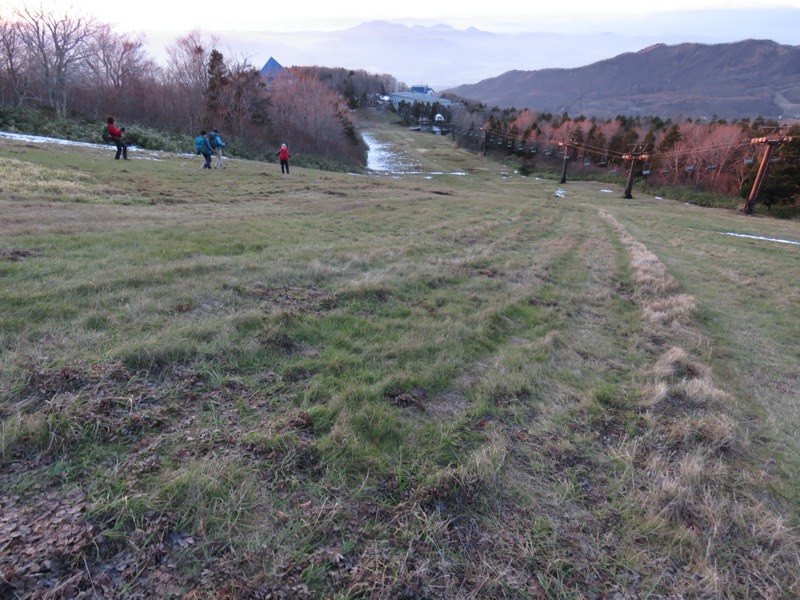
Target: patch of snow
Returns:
[759, 237]
[39, 139]
[381, 158]
[607, 191]
[561, 193]
[384, 160]
[137, 153]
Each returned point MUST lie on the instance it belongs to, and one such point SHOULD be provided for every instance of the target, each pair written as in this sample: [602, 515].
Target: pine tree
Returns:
[672, 137]
[217, 79]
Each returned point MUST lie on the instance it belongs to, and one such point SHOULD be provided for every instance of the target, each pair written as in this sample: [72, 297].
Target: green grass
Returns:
[335, 385]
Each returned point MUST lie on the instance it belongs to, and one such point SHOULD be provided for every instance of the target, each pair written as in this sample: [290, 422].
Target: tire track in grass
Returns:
[698, 480]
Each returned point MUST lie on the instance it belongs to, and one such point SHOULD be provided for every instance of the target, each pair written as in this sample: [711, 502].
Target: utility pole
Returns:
[633, 157]
[747, 208]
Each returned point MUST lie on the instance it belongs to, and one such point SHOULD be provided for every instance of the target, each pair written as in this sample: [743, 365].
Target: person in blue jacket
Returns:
[216, 145]
[203, 146]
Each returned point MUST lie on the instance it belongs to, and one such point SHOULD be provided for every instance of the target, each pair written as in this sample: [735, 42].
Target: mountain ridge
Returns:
[748, 78]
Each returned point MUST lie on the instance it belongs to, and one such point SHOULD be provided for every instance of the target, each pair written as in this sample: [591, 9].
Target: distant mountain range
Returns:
[572, 69]
[436, 55]
[443, 56]
[742, 79]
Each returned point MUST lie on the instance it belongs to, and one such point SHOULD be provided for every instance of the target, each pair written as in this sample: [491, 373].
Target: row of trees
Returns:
[360, 88]
[76, 66]
[710, 155]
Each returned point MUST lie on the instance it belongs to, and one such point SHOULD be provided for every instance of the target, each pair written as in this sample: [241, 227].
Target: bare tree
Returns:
[244, 102]
[14, 80]
[727, 145]
[119, 70]
[525, 120]
[117, 59]
[58, 45]
[187, 72]
[311, 116]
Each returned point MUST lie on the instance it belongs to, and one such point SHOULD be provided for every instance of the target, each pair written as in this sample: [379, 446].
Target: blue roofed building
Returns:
[271, 69]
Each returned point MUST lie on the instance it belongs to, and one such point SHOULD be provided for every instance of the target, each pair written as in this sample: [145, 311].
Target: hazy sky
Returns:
[323, 15]
[595, 30]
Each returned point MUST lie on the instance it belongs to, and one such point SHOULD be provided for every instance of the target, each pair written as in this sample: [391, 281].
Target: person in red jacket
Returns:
[284, 156]
[116, 137]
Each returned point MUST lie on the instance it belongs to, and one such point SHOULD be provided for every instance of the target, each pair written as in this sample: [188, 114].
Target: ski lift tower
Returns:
[634, 156]
[747, 207]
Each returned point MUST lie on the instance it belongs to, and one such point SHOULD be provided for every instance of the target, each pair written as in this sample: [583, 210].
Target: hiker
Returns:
[116, 137]
[284, 156]
[203, 146]
[216, 145]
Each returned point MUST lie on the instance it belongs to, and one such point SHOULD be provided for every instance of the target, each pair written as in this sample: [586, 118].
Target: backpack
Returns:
[106, 135]
[212, 141]
[201, 144]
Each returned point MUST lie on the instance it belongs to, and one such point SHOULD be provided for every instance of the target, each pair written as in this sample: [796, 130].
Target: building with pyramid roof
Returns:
[271, 69]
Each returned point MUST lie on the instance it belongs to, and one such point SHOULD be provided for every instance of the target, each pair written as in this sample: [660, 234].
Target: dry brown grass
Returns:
[22, 180]
[697, 452]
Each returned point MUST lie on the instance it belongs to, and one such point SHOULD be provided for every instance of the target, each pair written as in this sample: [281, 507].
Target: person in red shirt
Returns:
[116, 137]
[284, 156]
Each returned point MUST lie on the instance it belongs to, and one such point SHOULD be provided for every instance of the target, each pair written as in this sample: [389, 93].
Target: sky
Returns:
[591, 31]
[245, 15]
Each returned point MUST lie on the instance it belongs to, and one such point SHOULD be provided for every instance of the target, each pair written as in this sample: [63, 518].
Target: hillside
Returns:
[742, 79]
[450, 382]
